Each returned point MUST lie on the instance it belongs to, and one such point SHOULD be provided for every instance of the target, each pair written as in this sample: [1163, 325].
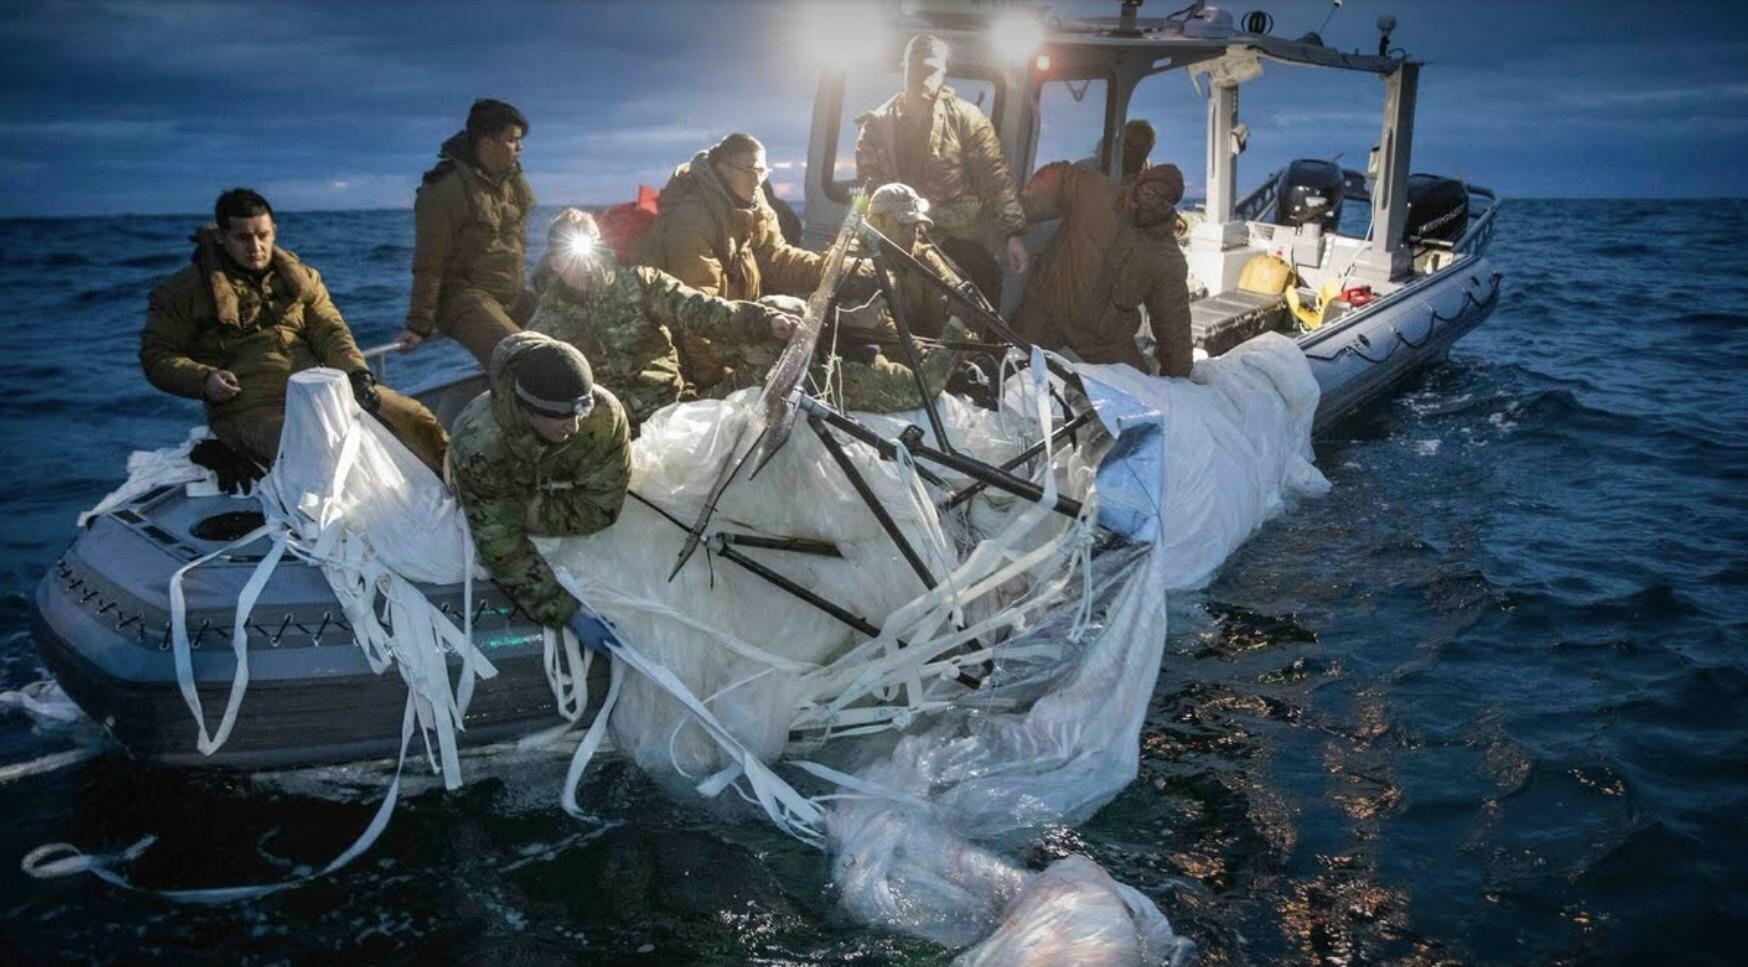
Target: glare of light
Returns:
[580, 246]
[1015, 36]
[832, 34]
[1042, 63]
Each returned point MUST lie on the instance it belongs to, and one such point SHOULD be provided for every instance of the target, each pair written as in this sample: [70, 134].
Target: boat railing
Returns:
[1257, 205]
[377, 359]
[1480, 231]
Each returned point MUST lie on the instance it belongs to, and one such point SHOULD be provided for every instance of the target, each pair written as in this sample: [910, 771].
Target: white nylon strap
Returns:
[182, 650]
[63, 859]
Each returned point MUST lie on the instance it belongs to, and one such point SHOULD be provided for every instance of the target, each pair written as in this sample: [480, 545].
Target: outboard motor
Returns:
[1309, 192]
[1438, 208]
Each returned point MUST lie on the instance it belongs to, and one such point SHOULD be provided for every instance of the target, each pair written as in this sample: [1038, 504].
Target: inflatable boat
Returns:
[1367, 309]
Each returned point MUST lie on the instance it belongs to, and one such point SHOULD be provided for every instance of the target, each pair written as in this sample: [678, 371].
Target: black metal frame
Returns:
[823, 419]
[725, 545]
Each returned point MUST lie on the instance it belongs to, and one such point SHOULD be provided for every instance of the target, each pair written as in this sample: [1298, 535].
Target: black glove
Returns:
[236, 472]
[365, 392]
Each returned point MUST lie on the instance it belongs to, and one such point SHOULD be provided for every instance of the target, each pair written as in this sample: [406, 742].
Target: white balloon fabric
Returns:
[719, 675]
[1076, 647]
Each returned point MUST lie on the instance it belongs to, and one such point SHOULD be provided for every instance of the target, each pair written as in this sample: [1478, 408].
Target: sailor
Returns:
[546, 452]
[625, 319]
[858, 366]
[858, 362]
[899, 213]
[928, 137]
[718, 234]
[471, 214]
[1114, 254]
[232, 327]
[1138, 141]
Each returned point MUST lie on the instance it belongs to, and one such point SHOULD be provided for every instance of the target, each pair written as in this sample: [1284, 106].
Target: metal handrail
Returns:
[1480, 231]
[1252, 207]
[377, 359]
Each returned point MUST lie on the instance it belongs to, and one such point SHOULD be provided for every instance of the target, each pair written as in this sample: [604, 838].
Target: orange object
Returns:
[622, 224]
[1358, 296]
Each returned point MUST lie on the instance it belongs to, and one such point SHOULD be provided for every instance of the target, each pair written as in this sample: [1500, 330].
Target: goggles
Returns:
[556, 409]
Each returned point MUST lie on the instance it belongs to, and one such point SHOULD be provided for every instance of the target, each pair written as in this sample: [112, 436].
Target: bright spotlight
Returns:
[841, 33]
[1015, 36]
[580, 246]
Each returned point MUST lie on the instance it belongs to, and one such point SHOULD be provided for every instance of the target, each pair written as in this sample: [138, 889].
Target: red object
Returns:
[1357, 296]
[623, 223]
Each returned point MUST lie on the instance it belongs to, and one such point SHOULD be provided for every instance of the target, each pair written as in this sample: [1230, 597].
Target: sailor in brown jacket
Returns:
[927, 137]
[231, 328]
[1115, 252]
[718, 234]
[471, 214]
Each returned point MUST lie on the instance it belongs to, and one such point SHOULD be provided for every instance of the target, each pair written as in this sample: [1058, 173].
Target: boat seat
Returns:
[1219, 322]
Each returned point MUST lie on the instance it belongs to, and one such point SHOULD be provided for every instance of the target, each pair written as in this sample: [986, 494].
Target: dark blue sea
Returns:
[1486, 702]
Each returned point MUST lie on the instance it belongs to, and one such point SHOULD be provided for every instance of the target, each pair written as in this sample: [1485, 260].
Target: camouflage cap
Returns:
[901, 203]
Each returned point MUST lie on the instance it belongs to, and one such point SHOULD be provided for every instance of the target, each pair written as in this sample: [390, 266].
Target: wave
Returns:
[1624, 250]
[163, 260]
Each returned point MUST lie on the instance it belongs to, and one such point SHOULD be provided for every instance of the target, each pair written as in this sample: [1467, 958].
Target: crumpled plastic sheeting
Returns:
[1073, 913]
[149, 469]
[1238, 439]
[1052, 738]
[1235, 440]
[740, 644]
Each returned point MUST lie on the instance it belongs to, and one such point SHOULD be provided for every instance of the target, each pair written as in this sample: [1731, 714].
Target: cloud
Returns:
[1658, 97]
[86, 130]
[152, 106]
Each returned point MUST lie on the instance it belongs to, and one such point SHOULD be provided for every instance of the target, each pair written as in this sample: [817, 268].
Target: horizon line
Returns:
[597, 206]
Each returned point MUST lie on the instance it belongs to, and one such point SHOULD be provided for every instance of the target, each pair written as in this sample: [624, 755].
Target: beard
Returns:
[1149, 217]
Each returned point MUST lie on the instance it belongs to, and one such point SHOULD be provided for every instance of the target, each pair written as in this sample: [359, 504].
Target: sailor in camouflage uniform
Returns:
[868, 380]
[626, 319]
[546, 452]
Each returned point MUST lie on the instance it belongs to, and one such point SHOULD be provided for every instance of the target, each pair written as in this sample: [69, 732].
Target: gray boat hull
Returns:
[1363, 355]
[102, 612]
[101, 622]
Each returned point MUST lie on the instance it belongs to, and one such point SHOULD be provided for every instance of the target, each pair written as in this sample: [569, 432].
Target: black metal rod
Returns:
[895, 305]
[973, 302]
[999, 479]
[850, 618]
[856, 621]
[886, 448]
[976, 487]
[798, 545]
[975, 469]
[777, 580]
[836, 449]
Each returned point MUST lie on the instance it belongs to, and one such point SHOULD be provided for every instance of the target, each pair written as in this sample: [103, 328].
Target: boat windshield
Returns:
[1071, 120]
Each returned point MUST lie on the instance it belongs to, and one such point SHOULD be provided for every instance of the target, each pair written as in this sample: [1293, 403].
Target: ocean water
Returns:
[1486, 702]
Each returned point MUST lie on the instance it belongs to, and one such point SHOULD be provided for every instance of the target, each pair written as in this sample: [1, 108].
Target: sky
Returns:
[153, 106]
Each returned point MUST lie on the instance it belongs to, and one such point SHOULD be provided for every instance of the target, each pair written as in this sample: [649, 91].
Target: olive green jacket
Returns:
[926, 307]
[628, 325]
[1087, 289]
[212, 315]
[513, 485]
[470, 232]
[705, 238]
[965, 178]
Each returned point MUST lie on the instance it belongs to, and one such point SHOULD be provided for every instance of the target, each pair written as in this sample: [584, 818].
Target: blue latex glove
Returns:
[591, 631]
